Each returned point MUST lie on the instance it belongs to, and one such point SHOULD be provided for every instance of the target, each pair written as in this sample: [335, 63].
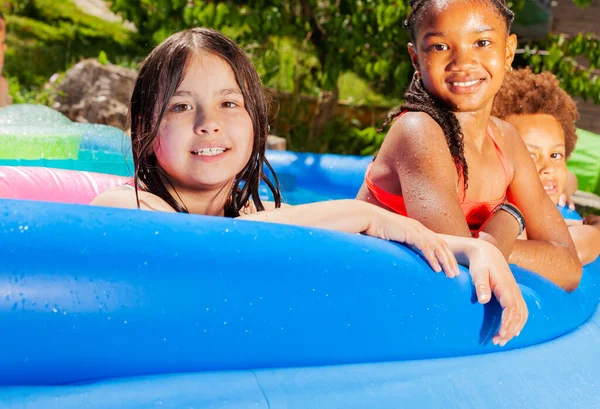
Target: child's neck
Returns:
[474, 127]
[206, 202]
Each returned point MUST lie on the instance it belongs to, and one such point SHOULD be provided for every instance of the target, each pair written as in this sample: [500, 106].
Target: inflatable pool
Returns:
[115, 308]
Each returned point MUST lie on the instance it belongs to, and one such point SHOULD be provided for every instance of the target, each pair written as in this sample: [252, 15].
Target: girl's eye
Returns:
[557, 155]
[483, 43]
[439, 47]
[182, 107]
[229, 104]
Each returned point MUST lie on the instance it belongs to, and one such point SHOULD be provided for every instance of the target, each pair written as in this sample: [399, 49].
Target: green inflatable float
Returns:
[37, 132]
[585, 161]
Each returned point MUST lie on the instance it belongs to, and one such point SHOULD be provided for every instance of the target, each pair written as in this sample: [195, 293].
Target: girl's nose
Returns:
[207, 123]
[463, 58]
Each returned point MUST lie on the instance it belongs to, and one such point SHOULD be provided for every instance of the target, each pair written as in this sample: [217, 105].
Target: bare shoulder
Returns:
[413, 132]
[505, 133]
[124, 197]
[509, 139]
[416, 126]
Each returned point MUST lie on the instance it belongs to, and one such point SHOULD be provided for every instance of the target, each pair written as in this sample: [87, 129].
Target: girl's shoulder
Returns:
[506, 129]
[418, 124]
[124, 197]
[413, 133]
[506, 135]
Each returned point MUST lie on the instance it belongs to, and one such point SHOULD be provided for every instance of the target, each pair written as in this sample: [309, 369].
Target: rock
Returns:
[276, 143]
[96, 93]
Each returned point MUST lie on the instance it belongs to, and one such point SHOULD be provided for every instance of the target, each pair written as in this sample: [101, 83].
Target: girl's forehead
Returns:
[207, 70]
[459, 15]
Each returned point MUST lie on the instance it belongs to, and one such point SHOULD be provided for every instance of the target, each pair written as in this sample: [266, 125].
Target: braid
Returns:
[417, 98]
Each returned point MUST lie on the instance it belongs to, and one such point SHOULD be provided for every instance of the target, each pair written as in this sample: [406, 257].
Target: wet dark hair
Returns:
[526, 93]
[417, 98]
[160, 75]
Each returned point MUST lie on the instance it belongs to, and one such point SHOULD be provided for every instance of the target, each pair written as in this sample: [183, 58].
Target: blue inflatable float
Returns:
[115, 308]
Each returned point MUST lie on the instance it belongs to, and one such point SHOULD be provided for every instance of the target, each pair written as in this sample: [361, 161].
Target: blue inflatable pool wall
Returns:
[115, 308]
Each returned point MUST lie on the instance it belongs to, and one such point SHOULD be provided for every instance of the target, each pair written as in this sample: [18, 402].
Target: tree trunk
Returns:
[324, 110]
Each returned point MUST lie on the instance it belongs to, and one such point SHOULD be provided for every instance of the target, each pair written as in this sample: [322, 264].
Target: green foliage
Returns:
[582, 3]
[103, 58]
[46, 36]
[362, 36]
[22, 95]
[558, 54]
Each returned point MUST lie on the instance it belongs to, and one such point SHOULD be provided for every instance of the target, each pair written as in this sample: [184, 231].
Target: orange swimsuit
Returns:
[475, 211]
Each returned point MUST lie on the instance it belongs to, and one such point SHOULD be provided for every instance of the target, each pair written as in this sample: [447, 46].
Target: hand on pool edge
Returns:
[490, 274]
[433, 247]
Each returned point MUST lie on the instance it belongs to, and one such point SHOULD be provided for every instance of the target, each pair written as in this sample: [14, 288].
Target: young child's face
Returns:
[462, 52]
[545, 140]
[206, 136]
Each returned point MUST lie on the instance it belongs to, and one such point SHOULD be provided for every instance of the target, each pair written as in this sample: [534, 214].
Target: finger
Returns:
[524, 317]
[514, 315]
[562, 200]
[506, 331]
[571, 204]
[447, 260]
[481, 281]
[429, 254]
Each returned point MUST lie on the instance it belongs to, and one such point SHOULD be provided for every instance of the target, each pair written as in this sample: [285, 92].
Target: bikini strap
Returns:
[501, 156]
[503, 160]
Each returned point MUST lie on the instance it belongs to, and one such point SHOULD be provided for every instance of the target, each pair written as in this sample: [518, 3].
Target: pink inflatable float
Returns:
[54, 185]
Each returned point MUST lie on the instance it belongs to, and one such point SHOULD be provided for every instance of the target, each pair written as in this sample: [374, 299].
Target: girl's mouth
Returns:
[209, 151]
[465, 87]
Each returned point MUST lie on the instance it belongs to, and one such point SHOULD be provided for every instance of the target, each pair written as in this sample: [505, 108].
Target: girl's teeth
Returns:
[210, 151]
[466, 84]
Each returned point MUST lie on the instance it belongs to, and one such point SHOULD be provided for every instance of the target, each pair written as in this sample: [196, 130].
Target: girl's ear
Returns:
[414, 58]
[511, 49]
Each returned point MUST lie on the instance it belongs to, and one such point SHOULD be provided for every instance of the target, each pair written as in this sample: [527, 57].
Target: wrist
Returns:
[514, 212]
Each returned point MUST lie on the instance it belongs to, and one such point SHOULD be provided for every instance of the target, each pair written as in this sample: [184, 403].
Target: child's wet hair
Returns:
[160, 75]
[417, 98]
[526, 93]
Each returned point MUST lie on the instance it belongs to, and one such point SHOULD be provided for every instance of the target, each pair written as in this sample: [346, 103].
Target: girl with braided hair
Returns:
[448, 163]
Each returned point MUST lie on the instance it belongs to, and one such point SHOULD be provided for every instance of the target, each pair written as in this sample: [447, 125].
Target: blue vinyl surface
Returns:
[91, 293]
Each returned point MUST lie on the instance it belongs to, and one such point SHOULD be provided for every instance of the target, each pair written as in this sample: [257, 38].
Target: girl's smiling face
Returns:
[545, 140]
[206, 136]
[462, 51]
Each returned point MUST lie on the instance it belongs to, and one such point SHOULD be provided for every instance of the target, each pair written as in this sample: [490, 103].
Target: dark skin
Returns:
[456, 46]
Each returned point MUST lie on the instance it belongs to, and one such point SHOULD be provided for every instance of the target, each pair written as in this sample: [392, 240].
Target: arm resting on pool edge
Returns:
[489, 271]
[354, 216]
